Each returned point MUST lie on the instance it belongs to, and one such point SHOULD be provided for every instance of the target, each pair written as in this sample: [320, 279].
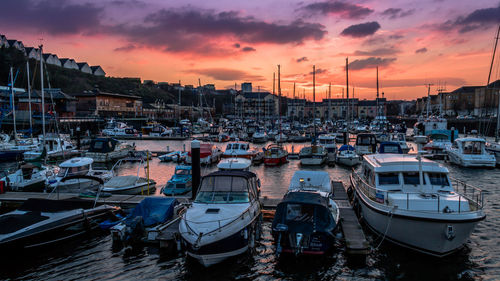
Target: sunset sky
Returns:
[224, 42]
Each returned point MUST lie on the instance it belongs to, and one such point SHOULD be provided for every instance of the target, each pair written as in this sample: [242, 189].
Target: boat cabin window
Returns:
[183, 172]
[365, 141]
[472, 147]
[73, 171]
[438, 179]
[391, 149]
[412, 178]
[388, 178]
[223, 189]
[300, 212]
[229, 146]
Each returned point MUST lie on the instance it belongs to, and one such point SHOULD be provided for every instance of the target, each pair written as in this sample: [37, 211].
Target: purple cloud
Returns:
[378, 52]
[302, 59]
[370, 62]
[361, 30]
[236, 45]
[126, 48]
[394, 13]
[421, 51]
[226, 74]
[477, 19]
[341, 9]
[248, 49]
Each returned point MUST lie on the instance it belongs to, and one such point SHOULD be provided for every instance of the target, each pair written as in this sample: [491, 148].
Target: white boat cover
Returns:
[121, 181]
[312, 180]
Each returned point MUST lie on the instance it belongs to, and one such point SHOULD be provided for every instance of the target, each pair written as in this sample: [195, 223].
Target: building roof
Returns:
[466, 89]
[81, 64]
[95, 67]
[29, 49]
[11, 41]
[148, 106]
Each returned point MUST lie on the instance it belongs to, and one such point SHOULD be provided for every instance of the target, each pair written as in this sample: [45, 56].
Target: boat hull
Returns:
[312, 161]
[275, 161]
[348, 161]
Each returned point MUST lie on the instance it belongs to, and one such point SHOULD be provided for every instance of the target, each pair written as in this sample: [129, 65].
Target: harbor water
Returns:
[94, 258]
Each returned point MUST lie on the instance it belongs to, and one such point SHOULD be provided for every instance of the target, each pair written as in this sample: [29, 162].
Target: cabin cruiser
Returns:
[55, 147]
[107, 149]
[181, 181]
[238, 149]
[43, 222]
[14, 151]
[209, 154]
[274, 155]
[28, 177]
[400, 138]
[259, 137]
[313, 155]
[114, 128]
[328, 142]
[225, 218]
[307, 216]
[411, 201]
[470, 152]
[437, 146]
[366, 144]
[77, 166]
[347, 156]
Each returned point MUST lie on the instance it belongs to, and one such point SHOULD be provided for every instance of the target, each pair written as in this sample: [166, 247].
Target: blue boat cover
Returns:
[154, 210]
[390, 147]
[346, 147]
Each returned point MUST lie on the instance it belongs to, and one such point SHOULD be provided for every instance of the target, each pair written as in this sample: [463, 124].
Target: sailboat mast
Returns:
[330, 101]
[378, 108]
[279, 99]
[13, 104]
[347, 87]
[314, 100]
[489, 76]
[43, 94]
[29, 100]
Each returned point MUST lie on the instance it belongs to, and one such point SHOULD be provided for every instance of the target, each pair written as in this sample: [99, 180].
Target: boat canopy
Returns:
[103, 145]
[234, 164]
[346, 147]
[304, 212]
[310, 180]
[154, 210]
[390, 147]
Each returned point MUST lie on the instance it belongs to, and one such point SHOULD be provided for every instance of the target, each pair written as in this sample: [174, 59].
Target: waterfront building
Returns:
[69, 63]
[84, 67]
[256, 104]
[97, 70]
[104, 104]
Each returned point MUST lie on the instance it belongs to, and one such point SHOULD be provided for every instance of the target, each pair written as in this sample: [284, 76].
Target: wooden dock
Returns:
[355, 239]
[151, 138]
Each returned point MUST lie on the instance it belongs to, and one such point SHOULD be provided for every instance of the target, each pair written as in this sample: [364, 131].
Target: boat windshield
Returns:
[438, 179]
[388, 178]
[472, 147]
[183, 172]
[223, 189]
[73, 171]
[412, 178]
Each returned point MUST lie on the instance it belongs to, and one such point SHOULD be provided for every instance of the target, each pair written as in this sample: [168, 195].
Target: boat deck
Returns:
[355, 239]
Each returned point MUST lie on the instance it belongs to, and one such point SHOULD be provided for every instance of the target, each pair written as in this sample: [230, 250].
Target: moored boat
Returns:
[275, 155]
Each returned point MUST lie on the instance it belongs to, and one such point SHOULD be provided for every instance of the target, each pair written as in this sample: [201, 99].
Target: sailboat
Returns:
[494, 147]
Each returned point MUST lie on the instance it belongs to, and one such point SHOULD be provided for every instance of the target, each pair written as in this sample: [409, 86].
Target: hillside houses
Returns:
[52, 59]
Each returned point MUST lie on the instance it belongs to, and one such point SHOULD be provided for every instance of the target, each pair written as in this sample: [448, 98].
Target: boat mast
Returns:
[330, 101]
[487, 85]
[13, 103]
[43, 94]
[378, 109]
[29, 100]
[279, 100]
[347, 88]
[314, 100]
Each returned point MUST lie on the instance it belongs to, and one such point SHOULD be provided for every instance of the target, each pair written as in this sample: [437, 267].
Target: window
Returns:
[472, 147]
[223, 189]
[438, 179]
[183, 172]
[412, 178]
[388, 178]
[299, 212]
[391, 149]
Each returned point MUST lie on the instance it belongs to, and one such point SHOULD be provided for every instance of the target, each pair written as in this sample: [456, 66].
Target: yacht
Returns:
[366, 144]
[275, 155]
[108, 149]
[77, 166]
[347, 156]
[470, 152]
[55, 147]
[328, 142]
[437, 146]
[259, 137]
[114, 128]
[307, 216]
[225, 218]
[238, 149]
[410, 201]
[28, 177]
[313, 155]
[494, 148]
[281, 138]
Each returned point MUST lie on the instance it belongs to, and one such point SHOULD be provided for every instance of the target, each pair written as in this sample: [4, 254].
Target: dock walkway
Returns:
[355, 239]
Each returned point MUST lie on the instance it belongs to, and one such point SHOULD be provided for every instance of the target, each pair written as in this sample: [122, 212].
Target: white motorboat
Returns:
[55, 147]
[209, 154]
[437, 146]
[108, 150]
[470, 152]
[280, 138]
[259, 137]
[328, 142]
[241, 164]
[347, 156]
[366, 144]
[307, 217]
[129, 184]
[27, 178]
[114, 128]
[239, 149]
[410, 201]
[494, 148]
[78, 166]
[225, 219]
[313, 155]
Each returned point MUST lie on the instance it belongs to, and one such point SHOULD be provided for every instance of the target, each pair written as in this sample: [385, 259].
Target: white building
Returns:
[69, 63]
[84, 67]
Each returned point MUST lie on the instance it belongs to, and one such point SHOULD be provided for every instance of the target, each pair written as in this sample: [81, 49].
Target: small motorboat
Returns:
[389, 147]
[209, 154]
[275, 155]
[28, 178]
[225, 219]
[313, 155]
[129, 184]
[366, 144]
[149, 213]
[346, 155]
[169, 156]
[470, 152]
[259, 137]
[108, 149]
[307, 217]
[180, 183]
[43, 222]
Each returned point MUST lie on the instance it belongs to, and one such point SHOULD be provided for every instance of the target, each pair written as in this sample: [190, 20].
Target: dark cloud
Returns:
[126, 48]
[226, 74]
[361, 30]
[421, 51]
[378, 52]
[394, 13]
[341, 9]
[53, 17]
[478, 19]
[236, 45]
[302, 59]
[201, 31]
[370, 62]
[319, 71]
[248, 49]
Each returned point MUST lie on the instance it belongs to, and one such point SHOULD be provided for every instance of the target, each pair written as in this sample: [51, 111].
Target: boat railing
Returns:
[467, 195]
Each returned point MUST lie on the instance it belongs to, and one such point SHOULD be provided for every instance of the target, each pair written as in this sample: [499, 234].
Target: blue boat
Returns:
[180, 183]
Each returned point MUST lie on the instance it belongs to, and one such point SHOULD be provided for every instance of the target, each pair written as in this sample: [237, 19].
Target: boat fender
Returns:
[447, 210]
